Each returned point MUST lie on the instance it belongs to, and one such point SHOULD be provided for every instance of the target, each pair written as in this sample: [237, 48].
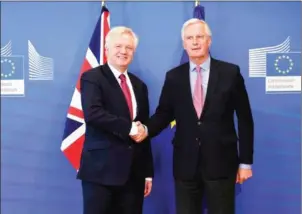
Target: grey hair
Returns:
[195, 21]
[119, 30]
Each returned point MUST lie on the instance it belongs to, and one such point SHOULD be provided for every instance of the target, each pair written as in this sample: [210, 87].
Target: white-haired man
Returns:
[116, 172]
[202, 96]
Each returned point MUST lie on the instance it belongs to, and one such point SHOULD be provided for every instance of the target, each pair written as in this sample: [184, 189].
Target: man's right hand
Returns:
[142, 133]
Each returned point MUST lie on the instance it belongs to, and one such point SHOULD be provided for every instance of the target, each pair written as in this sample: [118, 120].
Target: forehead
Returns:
[195, 28]
[124, 38]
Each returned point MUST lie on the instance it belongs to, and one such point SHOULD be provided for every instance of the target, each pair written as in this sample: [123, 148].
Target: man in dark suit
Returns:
[116, 172]
[202, 96]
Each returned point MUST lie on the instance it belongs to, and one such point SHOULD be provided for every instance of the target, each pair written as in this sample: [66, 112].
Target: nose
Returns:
[123, 50]
[194, 40]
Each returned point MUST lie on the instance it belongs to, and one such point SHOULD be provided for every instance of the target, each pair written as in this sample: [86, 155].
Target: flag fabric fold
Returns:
[74, 132]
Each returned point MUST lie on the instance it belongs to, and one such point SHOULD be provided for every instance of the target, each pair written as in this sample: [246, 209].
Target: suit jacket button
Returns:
[130, 147]
[199, 123]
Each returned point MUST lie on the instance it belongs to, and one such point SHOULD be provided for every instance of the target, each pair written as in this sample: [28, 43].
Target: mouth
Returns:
[196, 49]
[122, 57]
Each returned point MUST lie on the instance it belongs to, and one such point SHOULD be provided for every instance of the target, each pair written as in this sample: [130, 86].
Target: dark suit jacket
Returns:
[108, 151]
[214, 133]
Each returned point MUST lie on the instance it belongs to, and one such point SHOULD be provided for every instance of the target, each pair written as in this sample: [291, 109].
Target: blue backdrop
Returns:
[35, 176]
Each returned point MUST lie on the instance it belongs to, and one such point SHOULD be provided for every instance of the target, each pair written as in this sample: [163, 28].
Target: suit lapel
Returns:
[111, 78]
[214, 75]
[136, 91]
[117, 90]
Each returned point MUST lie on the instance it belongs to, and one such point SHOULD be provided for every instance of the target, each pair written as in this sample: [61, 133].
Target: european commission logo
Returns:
[12, 76]
[12, 70]
[280, 67]
[40, 67]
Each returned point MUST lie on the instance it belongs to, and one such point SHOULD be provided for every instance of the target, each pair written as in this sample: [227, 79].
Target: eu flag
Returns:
[283, 64]
[12, 68]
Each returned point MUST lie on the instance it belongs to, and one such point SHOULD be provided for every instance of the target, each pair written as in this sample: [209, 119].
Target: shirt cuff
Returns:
[245, 166]
[148, 179]
[134, 129]
[146, 129]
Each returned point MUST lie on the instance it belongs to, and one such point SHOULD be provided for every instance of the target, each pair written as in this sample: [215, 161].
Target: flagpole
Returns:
[197, 3]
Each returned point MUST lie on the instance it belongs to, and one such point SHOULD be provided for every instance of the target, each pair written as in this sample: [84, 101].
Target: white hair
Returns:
[118, 31]
[195, 21]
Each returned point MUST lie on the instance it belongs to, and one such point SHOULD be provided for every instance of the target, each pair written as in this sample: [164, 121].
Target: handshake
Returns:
[141, 132]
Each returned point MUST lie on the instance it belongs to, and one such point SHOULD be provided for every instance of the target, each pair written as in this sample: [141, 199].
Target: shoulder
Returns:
[137, 80]
[93, 74]
[178, 70]
[229, 72]
[224, 65]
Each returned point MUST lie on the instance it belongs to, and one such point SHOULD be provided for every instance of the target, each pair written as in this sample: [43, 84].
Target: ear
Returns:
[183, 44]
[210, 41]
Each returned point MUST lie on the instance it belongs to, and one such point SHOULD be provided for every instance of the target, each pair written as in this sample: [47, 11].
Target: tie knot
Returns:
[198, 68]
[122, 77]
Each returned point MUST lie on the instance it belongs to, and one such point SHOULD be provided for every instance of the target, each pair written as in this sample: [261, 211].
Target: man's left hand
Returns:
[148, 188]
[243, 175]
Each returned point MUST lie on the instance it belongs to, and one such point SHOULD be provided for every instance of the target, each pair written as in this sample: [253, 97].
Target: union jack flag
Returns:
[74, 133]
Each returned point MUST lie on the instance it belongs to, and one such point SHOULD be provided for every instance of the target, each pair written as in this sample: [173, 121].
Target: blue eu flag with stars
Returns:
[283, 64]
[12, 68]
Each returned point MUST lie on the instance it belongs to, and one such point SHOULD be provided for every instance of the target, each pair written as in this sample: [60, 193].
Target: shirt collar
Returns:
[116, 72]
[205, 65]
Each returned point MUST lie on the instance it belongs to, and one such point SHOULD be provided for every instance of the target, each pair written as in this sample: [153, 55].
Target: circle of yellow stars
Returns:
[13, 68]
[290, 62]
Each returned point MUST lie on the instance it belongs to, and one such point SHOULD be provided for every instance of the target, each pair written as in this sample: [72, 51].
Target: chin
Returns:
[200, 54]
[123, 64]
[197, 55]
